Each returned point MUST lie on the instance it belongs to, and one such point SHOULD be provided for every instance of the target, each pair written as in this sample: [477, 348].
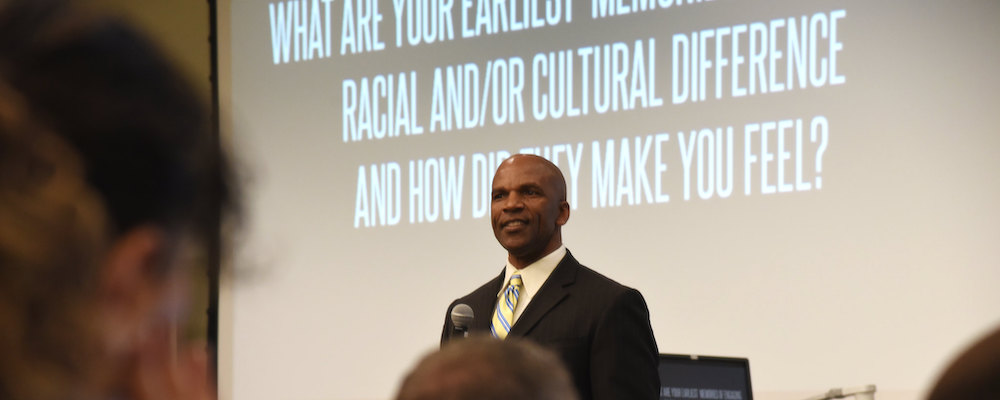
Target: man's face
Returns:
[528, 208]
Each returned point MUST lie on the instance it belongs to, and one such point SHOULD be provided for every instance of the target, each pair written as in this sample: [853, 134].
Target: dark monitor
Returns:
[687, 377]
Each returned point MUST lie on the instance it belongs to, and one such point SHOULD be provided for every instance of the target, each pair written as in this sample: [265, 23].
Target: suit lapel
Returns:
[552, 292]
[486, 304]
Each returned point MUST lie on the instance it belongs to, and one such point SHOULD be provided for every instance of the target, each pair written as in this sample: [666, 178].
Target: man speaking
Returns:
[598, 327]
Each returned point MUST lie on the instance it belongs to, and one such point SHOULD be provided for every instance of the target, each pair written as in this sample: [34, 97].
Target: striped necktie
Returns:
[503, 318]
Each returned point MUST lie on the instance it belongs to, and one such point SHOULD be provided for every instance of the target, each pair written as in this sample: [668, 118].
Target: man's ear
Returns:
[129, 289]
[563, 213]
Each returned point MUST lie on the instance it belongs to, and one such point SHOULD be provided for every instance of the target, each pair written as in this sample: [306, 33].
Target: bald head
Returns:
[551, 170]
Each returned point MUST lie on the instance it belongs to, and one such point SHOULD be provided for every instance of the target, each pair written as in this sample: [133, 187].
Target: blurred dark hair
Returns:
[142, 135]
[98, 135]
[975, 374]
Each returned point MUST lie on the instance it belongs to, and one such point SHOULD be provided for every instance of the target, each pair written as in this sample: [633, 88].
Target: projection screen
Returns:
[809, 184]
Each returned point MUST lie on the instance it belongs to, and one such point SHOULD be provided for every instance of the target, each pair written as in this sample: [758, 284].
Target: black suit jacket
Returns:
[598, 327]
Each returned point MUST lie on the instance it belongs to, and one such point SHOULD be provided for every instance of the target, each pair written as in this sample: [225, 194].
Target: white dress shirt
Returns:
[532, 276]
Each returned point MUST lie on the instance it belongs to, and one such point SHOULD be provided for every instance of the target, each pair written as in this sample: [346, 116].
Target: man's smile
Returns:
[514, 224]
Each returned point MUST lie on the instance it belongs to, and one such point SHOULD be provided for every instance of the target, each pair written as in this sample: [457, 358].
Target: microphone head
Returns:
[462, 317]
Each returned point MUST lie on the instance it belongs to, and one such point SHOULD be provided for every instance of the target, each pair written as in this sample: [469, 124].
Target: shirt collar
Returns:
[534, 275]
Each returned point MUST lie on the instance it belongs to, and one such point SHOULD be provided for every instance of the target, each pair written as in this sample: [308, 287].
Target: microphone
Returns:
[462, 317]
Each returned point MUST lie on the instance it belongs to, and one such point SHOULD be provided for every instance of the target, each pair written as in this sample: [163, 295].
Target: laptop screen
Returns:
[686, 377]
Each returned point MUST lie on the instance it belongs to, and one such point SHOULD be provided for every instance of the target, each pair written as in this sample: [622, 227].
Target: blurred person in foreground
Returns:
[975, 374]
[483, 368]
[108, 175]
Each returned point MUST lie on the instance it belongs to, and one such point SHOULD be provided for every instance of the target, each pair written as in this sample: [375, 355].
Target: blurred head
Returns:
[975, 374]
[529, 207]
[485, 368]
[107, 168]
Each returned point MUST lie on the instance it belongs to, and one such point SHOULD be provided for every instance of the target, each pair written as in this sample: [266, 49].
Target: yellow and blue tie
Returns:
[503, 318]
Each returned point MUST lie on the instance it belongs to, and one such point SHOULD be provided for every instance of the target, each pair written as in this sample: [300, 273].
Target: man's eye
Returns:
[497, 196]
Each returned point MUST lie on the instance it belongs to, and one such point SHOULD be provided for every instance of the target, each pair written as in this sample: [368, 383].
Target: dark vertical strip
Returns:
[214, 243]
